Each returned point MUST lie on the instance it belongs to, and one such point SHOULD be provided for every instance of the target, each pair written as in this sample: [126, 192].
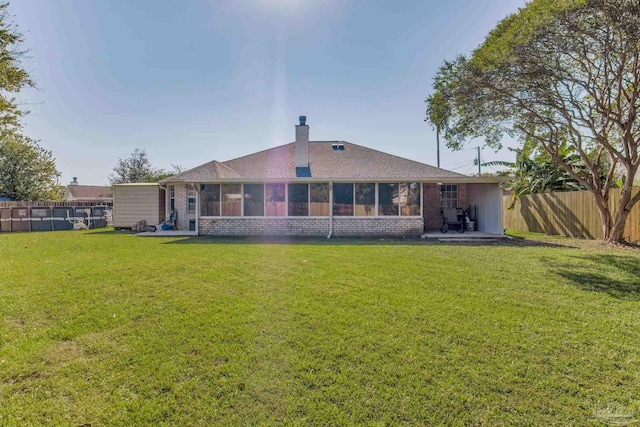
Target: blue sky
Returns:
[200, 80]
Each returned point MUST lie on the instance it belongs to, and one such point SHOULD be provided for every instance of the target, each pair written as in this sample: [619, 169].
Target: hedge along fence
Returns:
[572, 214]
[45, 204]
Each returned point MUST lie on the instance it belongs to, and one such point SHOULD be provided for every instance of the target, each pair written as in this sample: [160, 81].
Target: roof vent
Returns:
[341, 147]
[303, 120]
[337, 147]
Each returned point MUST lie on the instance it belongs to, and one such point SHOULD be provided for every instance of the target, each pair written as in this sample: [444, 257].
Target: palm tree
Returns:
[536, 174]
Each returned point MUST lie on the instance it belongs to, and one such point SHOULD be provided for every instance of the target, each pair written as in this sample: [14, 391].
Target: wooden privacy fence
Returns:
[572, 213]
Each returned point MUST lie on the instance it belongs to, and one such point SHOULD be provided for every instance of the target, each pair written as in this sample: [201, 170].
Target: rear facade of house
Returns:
[326, 188]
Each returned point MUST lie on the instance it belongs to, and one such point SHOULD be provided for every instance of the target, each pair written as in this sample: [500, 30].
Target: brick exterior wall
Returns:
[431, 206]
[264, 226]
[182, 222]
[377, 226]
[431, 201]
[356, 227]
[462, 196]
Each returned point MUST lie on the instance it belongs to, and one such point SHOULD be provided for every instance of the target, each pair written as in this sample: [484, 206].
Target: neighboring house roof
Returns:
[88, 192]
[353, 162]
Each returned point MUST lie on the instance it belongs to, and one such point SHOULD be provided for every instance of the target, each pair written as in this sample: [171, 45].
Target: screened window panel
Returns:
[388, 199]
[343, 199]
[210, 200]
[253, 200]
[231, 199]
[298, 200]
[365, 199]
[319, 196]
[410, 199]
[274, 195]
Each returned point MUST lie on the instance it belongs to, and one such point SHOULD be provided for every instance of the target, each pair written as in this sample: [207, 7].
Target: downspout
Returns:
[330, 210]
[197, 209]
[501, 211]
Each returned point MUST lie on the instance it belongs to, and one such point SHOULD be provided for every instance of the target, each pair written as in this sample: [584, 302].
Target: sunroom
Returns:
[315, 199]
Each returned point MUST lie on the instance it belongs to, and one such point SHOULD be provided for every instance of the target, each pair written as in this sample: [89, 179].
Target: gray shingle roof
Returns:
[325, 163]
[90, 191]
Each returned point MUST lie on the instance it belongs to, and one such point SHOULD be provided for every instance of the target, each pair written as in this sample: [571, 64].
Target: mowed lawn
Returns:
[105, 328]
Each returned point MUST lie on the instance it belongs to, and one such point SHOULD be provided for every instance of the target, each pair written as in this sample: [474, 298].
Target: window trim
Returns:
[191, 194]
[172, 198]
[444, 191]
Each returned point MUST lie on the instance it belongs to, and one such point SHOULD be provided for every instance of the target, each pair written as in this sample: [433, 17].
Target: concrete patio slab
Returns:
[454, 236]
[167, 233]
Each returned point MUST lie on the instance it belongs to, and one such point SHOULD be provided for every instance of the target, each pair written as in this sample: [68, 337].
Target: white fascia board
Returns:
[434, 180]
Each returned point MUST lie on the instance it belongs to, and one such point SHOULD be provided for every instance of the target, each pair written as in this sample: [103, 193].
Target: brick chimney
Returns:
[302, 143]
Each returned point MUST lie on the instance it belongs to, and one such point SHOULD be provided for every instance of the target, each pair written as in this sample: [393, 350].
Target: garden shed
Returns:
[136, 202]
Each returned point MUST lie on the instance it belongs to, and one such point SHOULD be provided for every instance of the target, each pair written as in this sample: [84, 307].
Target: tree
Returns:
[13, 76]
[137, 168]
[27, 171]
[533, 173]
[558, 74]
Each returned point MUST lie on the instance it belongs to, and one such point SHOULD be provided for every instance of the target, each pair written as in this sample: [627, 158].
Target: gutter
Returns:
[426, 180]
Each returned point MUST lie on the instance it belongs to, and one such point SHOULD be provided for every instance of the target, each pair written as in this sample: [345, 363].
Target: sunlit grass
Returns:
[110, 329]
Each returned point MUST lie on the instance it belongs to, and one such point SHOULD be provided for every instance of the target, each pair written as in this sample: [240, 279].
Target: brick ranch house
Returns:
[325, 188]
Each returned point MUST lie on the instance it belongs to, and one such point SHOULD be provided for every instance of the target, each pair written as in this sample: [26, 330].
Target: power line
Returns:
[460, 164]
[463, 166]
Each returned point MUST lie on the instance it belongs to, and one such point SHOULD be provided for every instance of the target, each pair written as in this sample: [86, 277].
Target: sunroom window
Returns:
[365, 199]
[275, 199]
[231, 199]
[343, 199]
[298, 200]
[388, 199]
[210, 200]
[410, 199]
[319, 196]
[253, 200]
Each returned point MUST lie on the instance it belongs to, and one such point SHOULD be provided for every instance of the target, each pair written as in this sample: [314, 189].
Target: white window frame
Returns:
[192, 194]
[172, 198]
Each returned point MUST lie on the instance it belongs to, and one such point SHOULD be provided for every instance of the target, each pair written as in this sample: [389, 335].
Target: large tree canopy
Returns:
[13, 76]
[27, 171]
[558, 73]
[138, 168]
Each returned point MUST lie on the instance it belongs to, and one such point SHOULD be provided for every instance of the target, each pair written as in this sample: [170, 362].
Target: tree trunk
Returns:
[613, 229]
[616, 233]
[602, 204]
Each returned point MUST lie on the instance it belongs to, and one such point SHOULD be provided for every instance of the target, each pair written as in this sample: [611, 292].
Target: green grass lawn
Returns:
[105, 328]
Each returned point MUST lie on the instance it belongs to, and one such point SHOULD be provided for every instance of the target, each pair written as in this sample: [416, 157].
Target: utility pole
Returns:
[438, 142]
[479, 167]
